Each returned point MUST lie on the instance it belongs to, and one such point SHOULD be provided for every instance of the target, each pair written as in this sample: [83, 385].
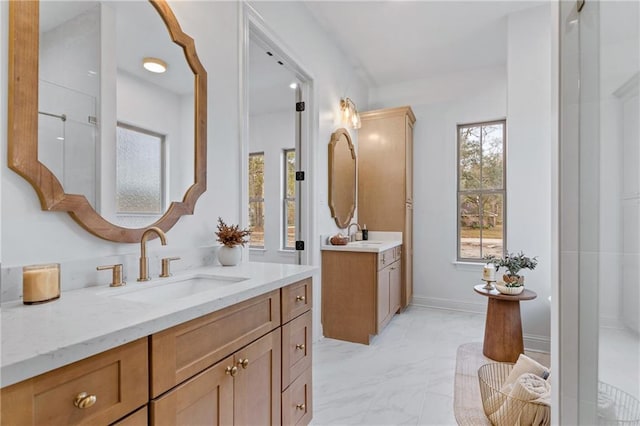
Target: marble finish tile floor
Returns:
[405, 377]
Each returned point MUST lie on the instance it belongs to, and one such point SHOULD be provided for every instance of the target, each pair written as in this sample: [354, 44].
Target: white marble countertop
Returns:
[377, 243]
[85, 322]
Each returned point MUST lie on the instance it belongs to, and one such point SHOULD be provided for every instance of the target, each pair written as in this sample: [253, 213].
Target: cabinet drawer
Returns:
[296, 401]
[186, 349]
[296, 348]
[117, 378]
[386, 258]
[296, 299]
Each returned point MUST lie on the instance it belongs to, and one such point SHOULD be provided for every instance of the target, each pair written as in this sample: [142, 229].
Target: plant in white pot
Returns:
[232, 239]
[513, 281]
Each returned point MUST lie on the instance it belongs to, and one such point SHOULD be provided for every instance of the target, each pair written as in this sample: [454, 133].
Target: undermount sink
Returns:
[170, 289]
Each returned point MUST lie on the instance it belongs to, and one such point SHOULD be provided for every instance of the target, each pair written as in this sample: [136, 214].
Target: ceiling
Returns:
[394, 41]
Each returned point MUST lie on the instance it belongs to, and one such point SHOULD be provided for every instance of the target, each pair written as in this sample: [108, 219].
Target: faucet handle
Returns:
[116, 278]
[166, 269]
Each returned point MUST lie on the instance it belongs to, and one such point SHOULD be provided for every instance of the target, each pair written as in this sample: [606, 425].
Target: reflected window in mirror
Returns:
[140, 191]
[289, 200]
[256, 199]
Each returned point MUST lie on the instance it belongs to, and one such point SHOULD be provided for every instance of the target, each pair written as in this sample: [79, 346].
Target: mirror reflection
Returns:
[109, 129]
[342, 178]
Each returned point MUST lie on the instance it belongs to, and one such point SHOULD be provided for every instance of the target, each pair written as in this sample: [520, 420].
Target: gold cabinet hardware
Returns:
[231, 371]
[116, 276]
[244, 363]
[84, 400]
[166, 266]
[300, 406]
[300, 346]
[300, 298]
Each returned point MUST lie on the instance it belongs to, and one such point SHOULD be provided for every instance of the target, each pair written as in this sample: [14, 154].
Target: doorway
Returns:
[275, 154]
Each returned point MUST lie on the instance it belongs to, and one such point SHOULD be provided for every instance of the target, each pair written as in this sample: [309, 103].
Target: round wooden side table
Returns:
[503, 327]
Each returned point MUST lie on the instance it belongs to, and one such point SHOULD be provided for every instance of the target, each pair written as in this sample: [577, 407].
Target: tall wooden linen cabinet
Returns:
[385, 180]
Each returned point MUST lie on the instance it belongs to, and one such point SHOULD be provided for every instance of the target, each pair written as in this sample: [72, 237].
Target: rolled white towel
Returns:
[523, 365]
[606, 407]
[527, 404]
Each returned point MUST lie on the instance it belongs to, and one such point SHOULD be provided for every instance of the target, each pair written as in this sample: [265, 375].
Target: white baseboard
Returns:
[611, 322]
[450, 304]
[531, 342]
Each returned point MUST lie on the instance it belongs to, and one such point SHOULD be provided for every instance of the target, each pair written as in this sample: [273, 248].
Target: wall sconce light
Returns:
[154, 65]
[350, 116]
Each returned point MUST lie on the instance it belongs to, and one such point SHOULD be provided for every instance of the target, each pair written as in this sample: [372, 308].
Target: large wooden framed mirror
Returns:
[342, 178]
[118, 148]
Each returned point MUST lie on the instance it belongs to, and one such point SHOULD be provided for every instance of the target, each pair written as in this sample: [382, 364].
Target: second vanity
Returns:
[361, 286]
[235, 352]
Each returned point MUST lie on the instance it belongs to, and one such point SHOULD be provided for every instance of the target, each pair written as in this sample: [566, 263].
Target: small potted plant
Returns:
[513, 282]
[232, 238]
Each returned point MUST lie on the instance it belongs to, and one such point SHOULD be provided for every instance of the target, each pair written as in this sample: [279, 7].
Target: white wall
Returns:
[522, 93]
[271, 133]
[529, 157]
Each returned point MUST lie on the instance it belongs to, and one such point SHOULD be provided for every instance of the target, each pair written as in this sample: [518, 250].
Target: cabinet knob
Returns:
[300, 298]
[301, 346]
[244, 363]
[84, 400]
[300, 407]
[231, 371]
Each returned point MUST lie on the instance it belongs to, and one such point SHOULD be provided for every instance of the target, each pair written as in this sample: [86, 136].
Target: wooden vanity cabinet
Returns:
[385, 180]
[224, 368]
[116, 379]
[361, 291]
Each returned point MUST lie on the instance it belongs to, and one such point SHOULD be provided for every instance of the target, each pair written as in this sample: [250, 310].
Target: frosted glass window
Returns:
[139, 175]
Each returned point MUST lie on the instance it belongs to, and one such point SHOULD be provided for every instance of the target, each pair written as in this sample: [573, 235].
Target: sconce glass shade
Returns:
[350, 116]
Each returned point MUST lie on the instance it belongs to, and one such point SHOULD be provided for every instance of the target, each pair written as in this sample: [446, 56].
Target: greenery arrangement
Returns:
[231, 235]
[513, 263]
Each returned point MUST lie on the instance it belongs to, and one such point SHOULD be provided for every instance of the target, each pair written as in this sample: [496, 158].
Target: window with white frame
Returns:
[289, 200]
[481, 190]
[256, 199]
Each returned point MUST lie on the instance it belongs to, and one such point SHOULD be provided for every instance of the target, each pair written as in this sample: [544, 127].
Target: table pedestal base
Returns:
[503, 331]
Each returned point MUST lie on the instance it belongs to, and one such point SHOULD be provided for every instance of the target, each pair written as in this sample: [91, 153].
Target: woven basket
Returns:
[623, 408]
[501, 408]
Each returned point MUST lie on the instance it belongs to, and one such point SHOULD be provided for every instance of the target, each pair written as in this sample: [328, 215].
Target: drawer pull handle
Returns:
[244, 363]
[300, 298]
[300, 407]
[231, 371]
[83, 400]
[301, 346]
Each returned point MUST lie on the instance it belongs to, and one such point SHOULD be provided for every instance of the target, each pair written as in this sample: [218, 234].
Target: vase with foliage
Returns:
[513, 264]
[232, 239]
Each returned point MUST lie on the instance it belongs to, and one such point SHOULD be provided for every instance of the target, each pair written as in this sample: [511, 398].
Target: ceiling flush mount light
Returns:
[293, 85]
[350, 116]
[154, 65]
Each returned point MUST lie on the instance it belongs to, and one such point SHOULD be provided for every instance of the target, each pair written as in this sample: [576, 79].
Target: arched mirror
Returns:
[342, 178]
[98, 135]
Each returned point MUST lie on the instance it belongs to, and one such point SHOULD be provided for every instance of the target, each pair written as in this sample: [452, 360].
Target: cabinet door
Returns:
[407, 258]
[205, 399]
[383, 297]
[256, 394]
[395, 281]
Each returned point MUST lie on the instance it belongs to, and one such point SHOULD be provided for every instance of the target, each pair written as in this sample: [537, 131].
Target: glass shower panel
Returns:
[600, 212]
[619, 295]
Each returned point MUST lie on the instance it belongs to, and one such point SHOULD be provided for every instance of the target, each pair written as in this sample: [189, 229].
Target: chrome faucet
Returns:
[144, 261]
[352, 237]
